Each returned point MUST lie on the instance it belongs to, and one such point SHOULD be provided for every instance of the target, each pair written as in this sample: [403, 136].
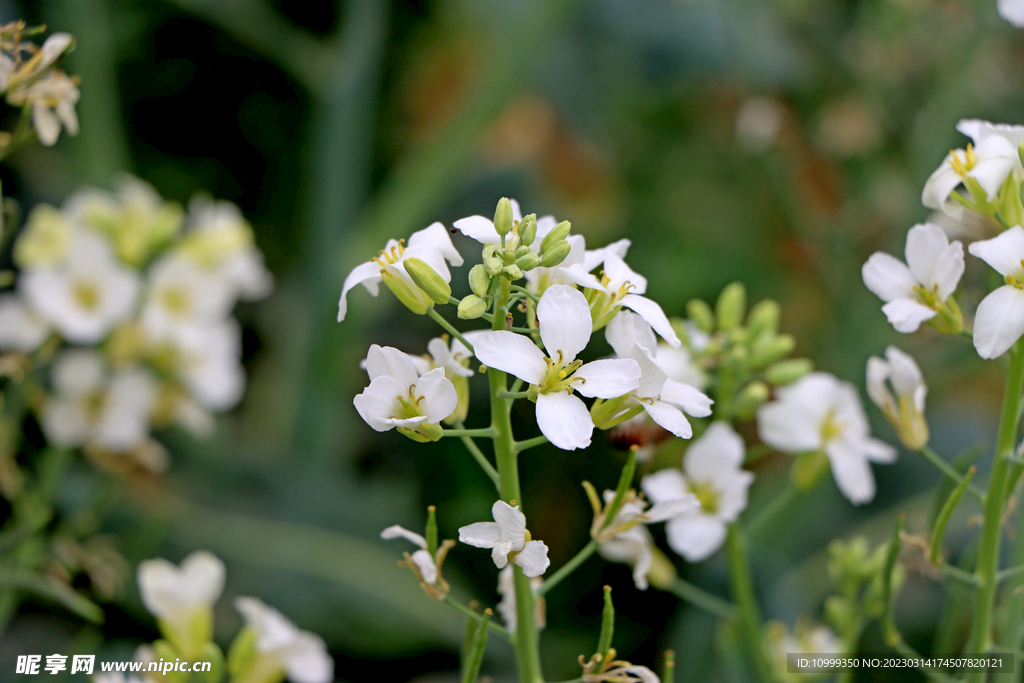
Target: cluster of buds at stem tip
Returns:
[426, 562]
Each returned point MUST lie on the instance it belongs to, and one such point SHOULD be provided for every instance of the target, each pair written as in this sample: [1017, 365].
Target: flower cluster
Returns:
[128, 299]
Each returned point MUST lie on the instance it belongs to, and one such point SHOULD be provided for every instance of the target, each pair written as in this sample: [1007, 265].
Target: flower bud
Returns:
[492, 266]
[503, 216]
[764, 315]
[528, 262]
[770, 348]
[472, 307]
[489, 251]
[557, 234]
[414, 298]
[423, 433]
[512, 272]
[788, 371]
[528, 230]
[555, 254]
[750, 399]
[700, 313]
[662, 573]
[428, 279]
[461, 385]
[522, 251]
[479, 280]
[730, 307]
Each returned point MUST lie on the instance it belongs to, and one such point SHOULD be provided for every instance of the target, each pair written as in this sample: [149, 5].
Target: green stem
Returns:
[931, 456]
[568, 568]
[525, 292]
[530, 443]
[526, 638]
[512, 395]
[491, 626]
[966, 578]
[980, 639]
[482, 460]
[770, 511]
[448, 326]
[485, 433]
[701, 598]
[743, 593]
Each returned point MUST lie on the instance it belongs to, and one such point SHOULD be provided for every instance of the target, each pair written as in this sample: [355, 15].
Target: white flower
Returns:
[20, 328]
[565, 328]
[662, 398]
[632, 547]
[424, 562]
[979, 130]
[88, 407]
[819, 412]
[399, 397]
[221, 240]
[1012, 11]
[52, 99]
[983, 167]
[181, 294]
[432, 245]
[171, 592]
[713, 472]
[507, 606]
[624, 673]
[999, 321]
[208, 361]
[452, 357]
[86, 293]
[620, 287]
[301, 654]
[916, 291]
[906, 411]
[506, 537]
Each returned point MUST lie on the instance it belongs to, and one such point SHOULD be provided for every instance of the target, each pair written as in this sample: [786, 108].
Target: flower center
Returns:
[86, 294]
[1014, 282]
[605, 304]
[177, 301]
[410, 405]
[969, 161]
[831, 428]
[389, 257]
[559, 375]
[707, 495]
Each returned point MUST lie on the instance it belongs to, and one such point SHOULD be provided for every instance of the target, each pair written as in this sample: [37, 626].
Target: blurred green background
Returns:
[776, 142]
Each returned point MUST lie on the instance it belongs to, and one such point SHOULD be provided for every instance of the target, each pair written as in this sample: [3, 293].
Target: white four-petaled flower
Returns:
[999, 321]
[424, 562]
[565, 329]
[713, 473]
[507, 536]
[301, 654]
[905, 411]
[913, 291]
[819, 412]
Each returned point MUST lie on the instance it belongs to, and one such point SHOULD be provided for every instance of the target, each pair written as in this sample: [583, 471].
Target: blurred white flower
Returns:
[506, 536]
[1012, 11]
[208, 361]
[182, 597]
[52, 98]
[758, 123]
[90, 407]
[282, 646]
[999, 321]
[565, 329]
[905, 411]
[820, 413]
[983, 167]
[20, 328]
[713, 472]
[507, 606]
[916, 291]
[432, 245]
[424, 562]
[86, 293]
[221, 240]
[183, 295]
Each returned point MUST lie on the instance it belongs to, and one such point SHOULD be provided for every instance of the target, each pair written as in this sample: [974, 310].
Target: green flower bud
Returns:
[479, 280]
[461, 385]
[764, 315]
[528, 230]
[428, 279]
[503, 216]
[423, 433]
[512, 272]
[211, 653]
[750, 399]
[489, 251]
[528, 262]
[1020, 152]
[700, 313]
[493, 266]
[522, 251]
[732, 303]
[242, 652]
[557, 234]
[555, 254]
[662, 573]
[788, 371]
[769, 348]
[472, 307]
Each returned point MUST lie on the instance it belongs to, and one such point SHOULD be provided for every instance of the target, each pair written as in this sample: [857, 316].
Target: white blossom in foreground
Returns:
[90, 407]
[713, 472]
[399, 397]
[1012, 11]
[86, 293]
[665, 400]
[508, 539]
[983, 168]
[20, 328]
[999, 321]
[182, 597]
[432, 245]
[565, 329]
[905, 410]
[820, 413]
[283, 647]
[919, 289]
[507, 606]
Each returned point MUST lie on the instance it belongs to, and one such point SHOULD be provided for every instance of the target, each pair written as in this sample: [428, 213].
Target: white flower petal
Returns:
[906, 315]
[306, 659]
[533, 558]
[608, 378]
[1003, 252]
[933, 260]
[564, 420]
[565, 323]
[365, 274]
[626, 330]
[695, 537]
[397, 531]
[512, 353]
[940, 185]
[719, 448]
[691, 400]
[665, 485]
[436, 236]
[669, 417]
[426, 565]
[389, 361]
[906, 376]
[852, 472]
[1012, 11]
[499, 553]
[999, 322]
[439, 396]
[166, 589]
[888, 277]
[378, 403]
[655, 317]
[478, 228]
[877, 374]
[512, 523]
[672, 508]
[480, 534]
